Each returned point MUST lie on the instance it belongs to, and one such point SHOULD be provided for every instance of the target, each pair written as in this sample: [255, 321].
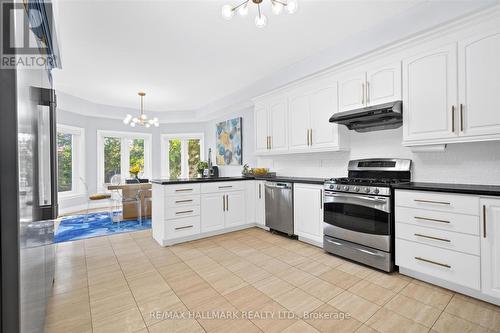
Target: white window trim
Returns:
[101, 134]
[165, 147]
[77, 160]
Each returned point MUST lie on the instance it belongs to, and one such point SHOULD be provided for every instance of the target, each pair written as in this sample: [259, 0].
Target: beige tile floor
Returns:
[267, 283]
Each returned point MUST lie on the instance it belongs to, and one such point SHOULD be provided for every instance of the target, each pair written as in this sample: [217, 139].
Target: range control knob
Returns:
[367, 190]
[376, 191]
[346, 188]
[331, 187]
[356, 189]
[337, 187]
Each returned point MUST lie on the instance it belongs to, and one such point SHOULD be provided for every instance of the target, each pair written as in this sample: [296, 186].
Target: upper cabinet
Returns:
[271, 132]
[452, 95]
[377, 85]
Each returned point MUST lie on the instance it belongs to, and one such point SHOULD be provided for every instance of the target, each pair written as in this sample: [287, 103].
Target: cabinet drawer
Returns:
[182, 189]
[446, 202]
[455, 267]
[182, 201]
[223, 187]
[440, 238]
[467, 224]
[183, 227]
[179, 212]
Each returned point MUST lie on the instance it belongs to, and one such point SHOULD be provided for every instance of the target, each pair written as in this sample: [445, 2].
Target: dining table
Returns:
[133, 191]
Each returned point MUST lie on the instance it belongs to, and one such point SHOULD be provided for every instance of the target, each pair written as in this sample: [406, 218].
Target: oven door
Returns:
[362, 219]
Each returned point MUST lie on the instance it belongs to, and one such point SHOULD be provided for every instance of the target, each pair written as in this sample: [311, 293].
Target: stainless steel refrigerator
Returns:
[28, 177]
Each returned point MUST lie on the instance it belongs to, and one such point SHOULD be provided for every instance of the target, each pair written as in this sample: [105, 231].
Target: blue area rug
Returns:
[97, 224]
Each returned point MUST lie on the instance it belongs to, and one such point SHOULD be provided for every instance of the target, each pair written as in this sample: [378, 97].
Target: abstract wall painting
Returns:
[229, 144]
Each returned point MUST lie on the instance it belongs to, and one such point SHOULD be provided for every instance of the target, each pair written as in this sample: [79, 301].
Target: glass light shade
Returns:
[147, 125]
[144, 117]
[155, 119]
[227, 12]
[135, 120]
[243, 10]
[132, 124]
[127, 119]
[157, 124]
[277, 8]
[292, 6]
[260, 21]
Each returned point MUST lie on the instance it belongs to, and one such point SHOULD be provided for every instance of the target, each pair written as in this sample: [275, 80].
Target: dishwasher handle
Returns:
[278, 185]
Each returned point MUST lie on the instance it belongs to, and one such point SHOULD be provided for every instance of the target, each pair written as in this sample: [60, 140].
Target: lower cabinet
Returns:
[235, 209]
[490, 247]
[222, 210]
[260, 203]
[308, 212]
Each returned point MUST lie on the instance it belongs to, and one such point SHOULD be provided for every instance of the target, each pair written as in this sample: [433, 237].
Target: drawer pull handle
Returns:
[429, 219]
[433, 202]
[228, 186]
[433, 262]
[181, 201]
[185, 227]
[184, 212]
[183, 190]
[432, 237]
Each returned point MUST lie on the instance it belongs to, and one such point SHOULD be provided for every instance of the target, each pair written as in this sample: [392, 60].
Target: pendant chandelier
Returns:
[142, 120]
[260, 20]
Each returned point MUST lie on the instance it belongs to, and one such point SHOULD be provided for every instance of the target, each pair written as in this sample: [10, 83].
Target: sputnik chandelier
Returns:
[260, 20]
[142, 120]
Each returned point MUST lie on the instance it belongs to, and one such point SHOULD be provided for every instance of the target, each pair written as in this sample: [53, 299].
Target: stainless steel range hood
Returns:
[372, 118]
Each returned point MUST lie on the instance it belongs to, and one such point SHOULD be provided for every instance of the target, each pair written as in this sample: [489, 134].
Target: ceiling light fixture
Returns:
[260, 20]
[142, 120]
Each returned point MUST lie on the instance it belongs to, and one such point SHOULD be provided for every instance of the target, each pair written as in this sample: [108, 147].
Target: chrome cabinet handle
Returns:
[227, 202]
[484, 221]
[311, 137]
[461, 117]
[433, 262]
[321, 199]
[270, 142]
[367, 92]
[433, 202]
[307, 136]
[227, 186]
[429, 219]
[185, 227]
[223, 203]
[260, 191]
[183, 190]
[184, 212]
[362, 93]
[181, 201]
[453, 118]
[432, 237]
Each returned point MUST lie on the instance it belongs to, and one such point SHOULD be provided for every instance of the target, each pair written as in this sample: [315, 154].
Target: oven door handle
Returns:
[379, 203]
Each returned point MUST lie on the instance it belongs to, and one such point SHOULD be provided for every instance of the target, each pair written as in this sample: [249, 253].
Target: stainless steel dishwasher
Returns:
[279, 206]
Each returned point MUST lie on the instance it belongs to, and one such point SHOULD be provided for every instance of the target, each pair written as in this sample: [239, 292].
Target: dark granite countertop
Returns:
[451, 188]
[305, 180]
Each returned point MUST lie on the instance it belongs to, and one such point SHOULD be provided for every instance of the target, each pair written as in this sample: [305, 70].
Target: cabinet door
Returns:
[479, 84]
[235, 209]
[278, 114]
[383, 84]
[324, 103]
[352, 91]
[308, 211]
[251, 201]
[212, 212]
[261, 128]
[430, 96]
[260, 203]
[299, 122]
[490, 247]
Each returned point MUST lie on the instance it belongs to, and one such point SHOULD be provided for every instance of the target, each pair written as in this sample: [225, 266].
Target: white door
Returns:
[479, 84]
[352, 91]
[212, 212]
[383, 84]
[261, 128]
[430, 95]
[308, 211]
[324, 103]
[260, 203]
[490, 247]
[235, 208]
[299, 122]
[278, 114]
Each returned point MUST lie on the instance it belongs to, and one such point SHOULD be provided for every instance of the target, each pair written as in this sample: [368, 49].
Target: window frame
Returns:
[77, 159]
[165, 148]
[124, 153]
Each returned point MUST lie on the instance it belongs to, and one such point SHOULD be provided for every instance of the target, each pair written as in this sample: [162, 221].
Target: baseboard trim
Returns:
[77, 208]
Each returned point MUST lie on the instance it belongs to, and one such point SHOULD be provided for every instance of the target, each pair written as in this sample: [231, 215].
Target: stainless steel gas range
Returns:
[358, 211]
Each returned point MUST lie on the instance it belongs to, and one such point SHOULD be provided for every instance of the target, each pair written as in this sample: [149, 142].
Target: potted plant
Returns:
[134, 171]
[202, 165]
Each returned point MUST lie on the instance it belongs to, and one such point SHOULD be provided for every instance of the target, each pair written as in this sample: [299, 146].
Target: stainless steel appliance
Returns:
[28, 170]
[279, 207]
[358, 211]
[371, 118]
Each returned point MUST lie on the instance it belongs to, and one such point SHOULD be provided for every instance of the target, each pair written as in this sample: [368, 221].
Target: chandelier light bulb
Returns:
[292, 6]
[261, 21]
[157, 124]
[135, 120]
[132, 124]
[147, 125]
[144, 117]
[243, 10]
[277, 7]
[227, 12]
[127, 119]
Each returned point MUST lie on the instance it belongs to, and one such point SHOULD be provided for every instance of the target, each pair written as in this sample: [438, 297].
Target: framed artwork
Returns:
[228, 141]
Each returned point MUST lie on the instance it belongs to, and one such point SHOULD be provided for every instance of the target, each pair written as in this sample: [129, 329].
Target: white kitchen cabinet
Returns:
[430, 96]
[308, 212]
[213, 209]
[352, 91]
[260, 203]
[261, 129]
[299, 124]
[271, 125]
[490, 247]
[479, 85]
[235, 214]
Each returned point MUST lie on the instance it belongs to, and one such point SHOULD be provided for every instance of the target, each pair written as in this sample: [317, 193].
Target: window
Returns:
[119, 151]
[70, 161]
[181, 154]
